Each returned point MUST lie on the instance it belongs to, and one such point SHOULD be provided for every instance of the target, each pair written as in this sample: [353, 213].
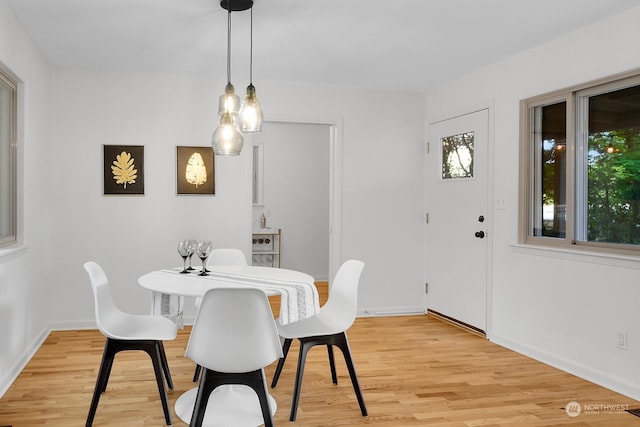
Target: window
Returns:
[457, 156]
[8, 108]
[580, 167]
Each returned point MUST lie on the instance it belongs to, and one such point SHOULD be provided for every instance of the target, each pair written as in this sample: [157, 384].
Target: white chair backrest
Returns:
[224, 256]
[342, 305]
[107, 313]
[234, 331]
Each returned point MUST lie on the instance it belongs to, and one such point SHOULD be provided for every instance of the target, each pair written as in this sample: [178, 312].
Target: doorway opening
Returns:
[297, 178]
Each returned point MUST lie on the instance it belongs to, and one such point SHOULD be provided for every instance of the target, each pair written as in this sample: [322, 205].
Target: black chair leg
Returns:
[165, 365]
[285, 350]
[343, 344]
[156, 358]
[256, 380]
[305, 346]
[205, 389]
[212, 379]
[101, 381]
[196, 373]
[332, 364]
[155, 351]
[108, 369]
[339, 340]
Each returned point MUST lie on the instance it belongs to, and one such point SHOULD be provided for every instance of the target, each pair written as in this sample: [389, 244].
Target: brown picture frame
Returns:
[123, 169]
[195, 170]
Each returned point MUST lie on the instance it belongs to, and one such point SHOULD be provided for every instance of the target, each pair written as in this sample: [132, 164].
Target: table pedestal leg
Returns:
[228, 406]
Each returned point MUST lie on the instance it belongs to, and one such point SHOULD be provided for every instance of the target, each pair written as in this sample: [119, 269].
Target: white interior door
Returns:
[456, 232]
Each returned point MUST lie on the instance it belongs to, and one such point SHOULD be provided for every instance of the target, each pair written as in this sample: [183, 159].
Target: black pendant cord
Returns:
[251, 50]
[229, 46]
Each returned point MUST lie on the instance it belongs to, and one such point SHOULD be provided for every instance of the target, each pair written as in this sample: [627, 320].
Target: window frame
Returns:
[576, 98]
[12, 237]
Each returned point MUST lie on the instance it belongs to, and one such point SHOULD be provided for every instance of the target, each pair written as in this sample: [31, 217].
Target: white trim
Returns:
[12, 250]
[74, 325]
[559, 252]
[386, 311]
[491, 209]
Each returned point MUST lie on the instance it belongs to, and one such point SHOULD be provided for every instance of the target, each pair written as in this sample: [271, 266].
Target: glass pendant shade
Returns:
[250, 116]
[227, 140]
[229, 101]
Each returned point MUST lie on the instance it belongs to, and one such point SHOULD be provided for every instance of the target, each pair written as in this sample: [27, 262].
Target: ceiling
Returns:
[393, 44]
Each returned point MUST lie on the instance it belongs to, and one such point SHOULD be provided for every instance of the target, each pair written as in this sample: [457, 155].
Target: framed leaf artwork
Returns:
[123, 169]
[195, 170]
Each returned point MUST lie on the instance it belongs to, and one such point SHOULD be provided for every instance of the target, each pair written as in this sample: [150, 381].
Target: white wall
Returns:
[382, 209]
[134, 234]
[562, 308]
[296, 193]
[24, 270]
[131, 235]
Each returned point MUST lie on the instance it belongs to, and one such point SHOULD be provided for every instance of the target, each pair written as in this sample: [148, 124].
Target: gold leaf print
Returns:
[123, 169]
[196, 171]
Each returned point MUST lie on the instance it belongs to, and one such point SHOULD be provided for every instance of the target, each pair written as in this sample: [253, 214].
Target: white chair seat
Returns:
[311, 326]
[142, 327]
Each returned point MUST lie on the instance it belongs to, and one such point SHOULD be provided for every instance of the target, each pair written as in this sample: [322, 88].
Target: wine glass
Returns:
[183, 251]
[192, 245]
[203, 251]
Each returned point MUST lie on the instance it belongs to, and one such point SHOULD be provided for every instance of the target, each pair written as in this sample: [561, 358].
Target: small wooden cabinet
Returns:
[266, 247]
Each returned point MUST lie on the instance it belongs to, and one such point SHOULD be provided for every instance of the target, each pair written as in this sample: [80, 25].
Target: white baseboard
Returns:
[585, 372]
[395, 311]
[71, 326]
[8, 376]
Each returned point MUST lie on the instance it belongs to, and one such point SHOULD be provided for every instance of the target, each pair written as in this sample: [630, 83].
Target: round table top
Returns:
[171, 281]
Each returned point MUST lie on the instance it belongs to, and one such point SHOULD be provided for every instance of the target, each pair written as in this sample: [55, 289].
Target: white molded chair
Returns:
[226, 256]
[126, 331]
[222, 256]
[233, 338]
[328, 327]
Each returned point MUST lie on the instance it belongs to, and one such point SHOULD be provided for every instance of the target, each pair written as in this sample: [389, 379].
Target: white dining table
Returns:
[299, 296]
[236, 405]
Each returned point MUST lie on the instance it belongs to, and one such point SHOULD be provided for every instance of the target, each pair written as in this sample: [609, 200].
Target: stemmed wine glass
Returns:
[192, 245]
[183, 251]
[203, 251]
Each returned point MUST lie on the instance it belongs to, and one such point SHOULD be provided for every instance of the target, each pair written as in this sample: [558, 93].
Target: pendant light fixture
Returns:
[227, 140]
[251, 113]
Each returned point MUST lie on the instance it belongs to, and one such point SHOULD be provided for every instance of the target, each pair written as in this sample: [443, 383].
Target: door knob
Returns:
[480, 234]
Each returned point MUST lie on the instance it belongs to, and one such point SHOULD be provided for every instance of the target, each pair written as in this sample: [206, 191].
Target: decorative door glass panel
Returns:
[457, 156]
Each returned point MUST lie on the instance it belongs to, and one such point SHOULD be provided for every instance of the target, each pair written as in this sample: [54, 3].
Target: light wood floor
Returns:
[414, 371]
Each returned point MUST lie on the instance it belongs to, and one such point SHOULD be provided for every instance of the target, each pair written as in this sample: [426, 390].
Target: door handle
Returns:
[480, 234]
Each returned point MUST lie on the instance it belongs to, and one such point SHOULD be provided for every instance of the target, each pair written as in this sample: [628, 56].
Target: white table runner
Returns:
[299, 299]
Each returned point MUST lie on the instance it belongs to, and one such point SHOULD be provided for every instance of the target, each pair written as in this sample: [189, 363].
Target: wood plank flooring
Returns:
[414, 371]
